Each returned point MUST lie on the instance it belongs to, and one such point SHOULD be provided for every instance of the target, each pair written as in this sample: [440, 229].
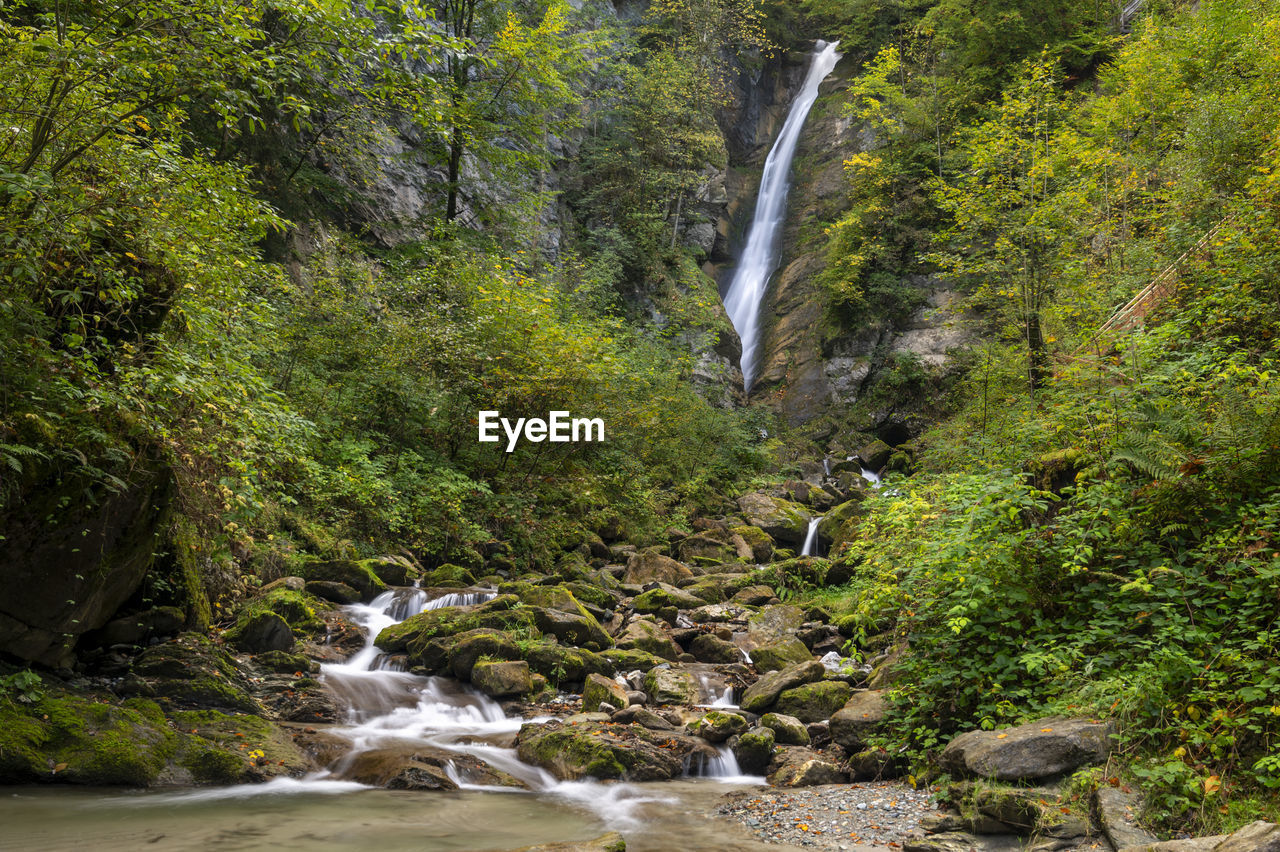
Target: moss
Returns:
[497, 614]
[576, 754]
[298, 609]
[250, 741]
[84, 741]
[593, 595]
[632, 659]
[213, 766]
[186, 544]
[283, 662]
[192, 671]
[448, 576]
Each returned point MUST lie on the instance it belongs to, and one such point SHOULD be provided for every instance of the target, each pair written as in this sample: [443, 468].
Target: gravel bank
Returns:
[837, 816]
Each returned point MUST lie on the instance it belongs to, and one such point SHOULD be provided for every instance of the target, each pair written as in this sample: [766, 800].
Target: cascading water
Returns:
[746, 292]
[811, 537]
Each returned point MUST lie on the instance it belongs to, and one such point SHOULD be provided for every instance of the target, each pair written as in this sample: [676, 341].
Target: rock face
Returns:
[61, 581]
[1036, 750]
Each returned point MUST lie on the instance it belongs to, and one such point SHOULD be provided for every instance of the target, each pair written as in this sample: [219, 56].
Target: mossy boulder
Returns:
[283, 662]
[595, 750]
[666, 685]
[753, 749]
[562, 664]
[716, 726]
[758, 595]
[757, 540]
[707, 648]
[664, 596]
[840, 525]
[414, 633]
[82, 740]
[782, 520]
[447, 576]
[630, 659]
[797, 766]
[814, 702]
[600, 689]
[357, 575]
[762, 694]
[232, 748]
[780, 655]
[644, 634]
[263, 631]
[392, 570]
[714, 547]
[467, 649]
[706, 591]
[339, 593]
[648, 566]
[191, 672]
[787, 730]
[297, 609]
[502, 679]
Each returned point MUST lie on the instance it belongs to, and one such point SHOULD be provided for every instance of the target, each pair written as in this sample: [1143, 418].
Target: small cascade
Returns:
[760, 256]
[723, 767]
[811, 538]
[714, 693]
[873, 478]
[470, 598]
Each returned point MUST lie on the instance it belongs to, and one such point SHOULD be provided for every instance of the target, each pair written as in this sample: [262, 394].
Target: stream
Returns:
[389, 709]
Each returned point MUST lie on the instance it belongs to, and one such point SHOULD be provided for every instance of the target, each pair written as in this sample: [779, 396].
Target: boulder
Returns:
[801, 767]
[1035, 750]
[787, 730]
[814, 702]
[958, 841]
[643, 634]
[649, 566]
[637, 714]
[598, 689]
[875, 455]
[1191, 844]
[136, 629]
[392, 570]
[630, 659]
[716, 726]
[859, 717]
[779, 655]
[447, 576]
[664, 596]
[1257, 836]
[707, 590]
[602, 751]
[874, 764]
[715, 547]
[839, 526]
[1117, 814]
[666, 685]
[562, 664]
[264, 631]
[357, 575]
[782, 520]
[339, 593]
[502, 679]
[712, 649]
[757, 540]
[573, 628]
[753, 749]
[758, 595]
[762, 694]
[774, 624]
[192, 673]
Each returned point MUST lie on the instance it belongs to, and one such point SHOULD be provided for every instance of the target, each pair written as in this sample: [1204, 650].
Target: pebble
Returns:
[837, 816]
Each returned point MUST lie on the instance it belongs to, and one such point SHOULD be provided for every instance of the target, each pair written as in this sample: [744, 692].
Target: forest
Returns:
[263, 265]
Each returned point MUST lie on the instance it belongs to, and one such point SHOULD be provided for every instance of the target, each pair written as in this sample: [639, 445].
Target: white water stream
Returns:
[760, 257]
[811, 537]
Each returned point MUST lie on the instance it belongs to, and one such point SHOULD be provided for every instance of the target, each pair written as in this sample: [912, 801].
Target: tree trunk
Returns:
[455, 169]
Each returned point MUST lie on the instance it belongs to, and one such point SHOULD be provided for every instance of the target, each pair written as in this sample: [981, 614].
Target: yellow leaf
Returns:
[1001, 736]
[1212, 784]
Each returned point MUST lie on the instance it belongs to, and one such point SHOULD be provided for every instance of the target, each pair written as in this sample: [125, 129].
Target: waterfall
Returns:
[746, 292]
[811, 538]
[873, 478]
[724, 767]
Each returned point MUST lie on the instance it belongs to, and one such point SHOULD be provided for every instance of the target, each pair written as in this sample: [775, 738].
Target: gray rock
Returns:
[753, 750]
[802, 767]
[637, 715]
[1117, 813]
[329, 590]
[716, 726]
[779, 655]
[1257, 836]
[671, 686]
[1039, 749]
[860, 716]
[265, 631]
[648, 566]
[503, 679]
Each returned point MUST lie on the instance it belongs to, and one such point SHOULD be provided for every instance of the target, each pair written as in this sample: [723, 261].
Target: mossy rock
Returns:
[298, 609]
[631, 659]
[263, 631]
[230, 748]
[814, 702]
[656, 599]
[357, 575]
[392, 570]
[561, 664]
[758, 540]
[596, 750]
[81, 740]
[780, 655]
[754, 749]
[414, 633]
[447, 576]
[283, 662]
[191, 672]
[716, 726]
[593, 595]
